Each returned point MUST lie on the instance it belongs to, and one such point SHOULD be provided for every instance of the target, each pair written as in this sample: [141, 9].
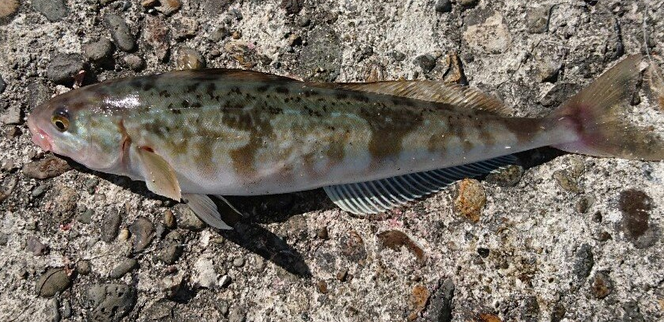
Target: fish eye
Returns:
[60, 120]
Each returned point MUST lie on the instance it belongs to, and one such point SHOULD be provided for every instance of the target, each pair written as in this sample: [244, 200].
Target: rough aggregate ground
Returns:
[567, 238]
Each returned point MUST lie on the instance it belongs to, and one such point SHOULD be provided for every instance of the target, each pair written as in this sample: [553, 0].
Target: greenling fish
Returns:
[371, 146]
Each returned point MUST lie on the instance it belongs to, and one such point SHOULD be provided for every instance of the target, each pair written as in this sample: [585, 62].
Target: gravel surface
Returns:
[565, 238]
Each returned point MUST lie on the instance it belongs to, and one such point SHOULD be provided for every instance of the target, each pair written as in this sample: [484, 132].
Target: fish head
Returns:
[73, 125]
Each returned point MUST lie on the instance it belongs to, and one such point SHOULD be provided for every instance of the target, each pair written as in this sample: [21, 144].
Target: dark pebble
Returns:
[601, 285]
[507, 176]
[426, 62]
[4, 239]
[443, 6]
[123, 268]
[36, 247]
[484, 252]
[322, 233]
[603, 236]
[322, 287]
[37, 94]
[120, 32]
[530, 310]
[170, 253]
[53, 10]
[352, 246]
[143, 231]
[440, 303]
[632, 312]
[110, 302]
[584, 262]
[110, 225]
[397, 55]
[48, 167]
[83, 267]
[2, 85]
[63, 68]
[584, 204]
[635, 206]
[98, 51]
[292, 6]
[469, 3]
[187, 219]
[558, 312]
[91, 185]
[55, 280]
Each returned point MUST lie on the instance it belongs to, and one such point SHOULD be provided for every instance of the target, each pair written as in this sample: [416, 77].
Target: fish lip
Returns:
[39, 137]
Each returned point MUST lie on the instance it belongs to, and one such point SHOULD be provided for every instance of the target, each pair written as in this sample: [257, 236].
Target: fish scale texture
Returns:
[569, 238]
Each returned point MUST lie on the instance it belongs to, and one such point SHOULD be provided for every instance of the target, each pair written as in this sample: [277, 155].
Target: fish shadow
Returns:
[247, 230]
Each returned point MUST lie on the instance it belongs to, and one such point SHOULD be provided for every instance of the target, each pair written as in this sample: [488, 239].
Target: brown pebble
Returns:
[342, 275]
[55, 280]
[48, 167]
[143, 232]
[322, 287]
[601, 285]
[322, 233]
[237, 34]
[418, 300]
[352, 246]
[8, 7]
[395, 239]
[189, 59]
[169, 219]
[470, 199]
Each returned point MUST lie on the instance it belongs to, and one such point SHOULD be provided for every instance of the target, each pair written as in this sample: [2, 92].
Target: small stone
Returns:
[12, 115]
[443, 6]
[189, 59]
[224, 281]
[120, 32]
[601, 285]
[98, 51]
[632, 312]
[66, 309]
[110, 302]
[635, 206]
[342, 275]
[55, 280]
[426, 62]
[220, 34]
[584, 262]
[2, 85]
[169, 219]
[135, 62]
[322, 233]
[123, 268]
[491, 37]
[187, 219]
[537, 19]
[157, 36]
[548, 69]
[64, 67]
[124, 234]
[110, 225]
[507, 176]
[143, 231]
[470, 199]
[48, 167]
[205, 276]
[567, 181]
[161, 310]
[440, 303]
[352, 246]
[322, 287]
[185, 28]
[468, 3]
[237, 314]
[484, 252]
[170, 253]
[530, 309]
[53, 10]
[168, 7]
[4, 239]
[395, 239]
[418, 300]
[238, 262]
[37, 94]
[83, 267]
[292, 7]
[584, 204]
[36, 247]
[558, 312]
[603, 236]
[8, 9]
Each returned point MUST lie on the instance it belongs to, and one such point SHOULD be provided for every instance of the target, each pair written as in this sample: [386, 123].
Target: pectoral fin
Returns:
[159, 175]
[206, 210]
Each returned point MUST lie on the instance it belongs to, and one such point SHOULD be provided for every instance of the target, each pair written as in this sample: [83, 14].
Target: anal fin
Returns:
[206, 210]
[372, 197]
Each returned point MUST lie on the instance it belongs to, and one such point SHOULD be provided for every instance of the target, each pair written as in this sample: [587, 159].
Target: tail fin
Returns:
[594, 114]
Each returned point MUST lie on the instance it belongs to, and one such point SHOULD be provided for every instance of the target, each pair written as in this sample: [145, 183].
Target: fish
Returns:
[372, 147]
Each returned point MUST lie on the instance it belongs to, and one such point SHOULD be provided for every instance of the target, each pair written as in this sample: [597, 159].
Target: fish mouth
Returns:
[39, 137]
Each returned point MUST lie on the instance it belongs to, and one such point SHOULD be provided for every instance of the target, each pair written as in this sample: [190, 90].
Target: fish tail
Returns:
[601, 130]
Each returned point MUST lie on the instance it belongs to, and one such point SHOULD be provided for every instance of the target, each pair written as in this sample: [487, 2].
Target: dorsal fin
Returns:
[434, 91]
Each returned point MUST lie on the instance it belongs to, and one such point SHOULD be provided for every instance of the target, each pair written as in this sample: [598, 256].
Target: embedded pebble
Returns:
[537, 19]
[99, 50]
[440, 302]
[12, 115]
[443, 6]
[8, 8]
[470, 199]
[53, 10]
[110, 302]
[39, 190]
[469, 3]
[394, 239]
[169, 219]
[491, 37]
[36, 247]
[635, 206]
[507, 176]
[83, 267]
[205, 276]
[238, 262]
[169, 7]
[352, 246]
[48, 167]
[157, 36]
[584, 262]
[120, 32]
[135, 62]
[110, 225]
[224, 281]
[426, 62]
[37, 94]
[2, 85]
[123, 268]
[188, 58]
[143, 231]
[187, 219]
[55, 280]
[170, 253]
[64, 67]
[601, 285]
[292, 7]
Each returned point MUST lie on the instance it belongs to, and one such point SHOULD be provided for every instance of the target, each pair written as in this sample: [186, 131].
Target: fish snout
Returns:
[39, 137]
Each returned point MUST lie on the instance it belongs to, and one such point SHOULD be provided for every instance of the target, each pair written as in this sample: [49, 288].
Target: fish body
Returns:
[230, 132]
